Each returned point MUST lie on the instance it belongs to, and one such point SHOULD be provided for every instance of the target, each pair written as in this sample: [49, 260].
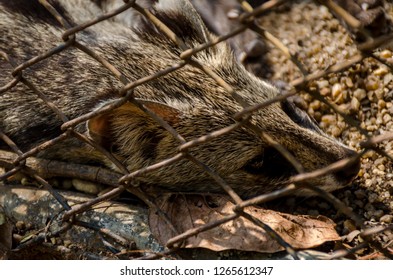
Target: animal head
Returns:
[195, 105]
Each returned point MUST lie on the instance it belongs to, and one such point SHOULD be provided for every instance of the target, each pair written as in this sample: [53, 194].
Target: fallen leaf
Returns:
[189, 211]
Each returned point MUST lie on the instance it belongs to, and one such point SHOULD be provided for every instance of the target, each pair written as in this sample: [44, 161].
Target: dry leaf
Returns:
[188, 211]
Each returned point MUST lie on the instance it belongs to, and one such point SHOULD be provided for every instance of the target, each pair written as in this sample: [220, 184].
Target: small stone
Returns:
[385, 195]
[387, 78]
[386, 118]
[336, 132]
[315, 105]
[360, 94]
[379, 93]
[369, 154]
[348, 82]
[329, 119]
[325, 91]
[372, 83]
[336, 90]
[86, 186]
[380, 160]
[322, 84]
[381, 104]
[381, 71]
[355, 105]
[386, 219]
[368, 183]
[386, 54]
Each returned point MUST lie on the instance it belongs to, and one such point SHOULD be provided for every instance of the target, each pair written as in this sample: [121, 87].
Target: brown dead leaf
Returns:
[189, 211]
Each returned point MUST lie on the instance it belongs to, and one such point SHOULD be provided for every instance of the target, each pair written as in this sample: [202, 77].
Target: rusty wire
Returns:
[126, 180]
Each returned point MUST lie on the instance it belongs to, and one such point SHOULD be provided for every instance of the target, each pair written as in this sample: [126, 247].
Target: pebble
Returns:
[315, 105]
[381, 71]
[336, 131]
[386, 54]
[379, 93]
[336, 90]
[386, 219]
[359, 94]
[355, 105]
[368, 183]
[381, 167]
[386, 118]
[385, 195]
[387, 78]
[323, 84]
[329, 119]
[86, 186]
[372, 83]
[325, 91]
[348, 82]
[381, 104]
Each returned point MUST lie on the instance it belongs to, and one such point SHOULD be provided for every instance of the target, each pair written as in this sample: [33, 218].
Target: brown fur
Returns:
[187, 99]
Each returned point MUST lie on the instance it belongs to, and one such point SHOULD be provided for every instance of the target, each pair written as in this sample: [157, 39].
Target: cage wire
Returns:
[249, 19]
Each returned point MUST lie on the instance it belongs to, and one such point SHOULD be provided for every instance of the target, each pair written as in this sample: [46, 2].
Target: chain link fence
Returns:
[251, 18]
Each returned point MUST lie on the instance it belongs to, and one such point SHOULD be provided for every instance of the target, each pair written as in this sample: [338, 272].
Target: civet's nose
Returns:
[349, 173]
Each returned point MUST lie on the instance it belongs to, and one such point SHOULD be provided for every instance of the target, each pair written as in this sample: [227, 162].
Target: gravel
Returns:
[364, 92]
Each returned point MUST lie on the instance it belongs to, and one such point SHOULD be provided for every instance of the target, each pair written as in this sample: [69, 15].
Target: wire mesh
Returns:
[249, 19]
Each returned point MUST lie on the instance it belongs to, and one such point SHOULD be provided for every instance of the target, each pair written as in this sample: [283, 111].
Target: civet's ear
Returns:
[129, 117]
[182, 18]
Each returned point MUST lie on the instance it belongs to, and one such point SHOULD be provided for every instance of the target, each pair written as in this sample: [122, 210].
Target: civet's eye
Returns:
[255, 165]
[270, 164]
